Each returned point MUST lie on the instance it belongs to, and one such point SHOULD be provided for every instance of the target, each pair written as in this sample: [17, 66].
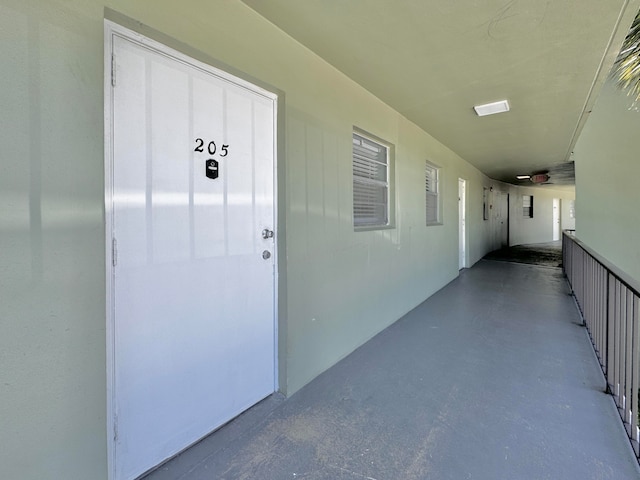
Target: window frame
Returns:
[437, 182]
[389, 183]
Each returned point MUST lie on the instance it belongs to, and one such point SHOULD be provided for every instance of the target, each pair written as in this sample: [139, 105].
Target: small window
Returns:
[432, 191]
[527, 206]
[370, 183]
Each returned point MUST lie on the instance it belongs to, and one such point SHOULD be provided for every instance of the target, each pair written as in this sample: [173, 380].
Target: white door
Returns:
[556, 219]
[504, 220]
[462, 241]
[192, 285]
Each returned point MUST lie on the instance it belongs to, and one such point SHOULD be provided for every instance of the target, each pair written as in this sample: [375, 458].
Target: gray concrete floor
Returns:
[491, 378]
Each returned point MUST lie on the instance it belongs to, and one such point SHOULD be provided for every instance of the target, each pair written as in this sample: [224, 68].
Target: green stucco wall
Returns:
[607, 172]
[538, 229]
[338, 289]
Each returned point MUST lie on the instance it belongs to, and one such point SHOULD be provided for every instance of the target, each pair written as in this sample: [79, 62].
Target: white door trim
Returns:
[112, 30]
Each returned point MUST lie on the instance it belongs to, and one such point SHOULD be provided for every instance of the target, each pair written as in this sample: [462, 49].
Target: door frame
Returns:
[173, 48]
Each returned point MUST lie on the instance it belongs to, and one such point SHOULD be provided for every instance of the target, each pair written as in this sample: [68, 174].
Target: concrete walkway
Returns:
[491, 378]
[548, 254]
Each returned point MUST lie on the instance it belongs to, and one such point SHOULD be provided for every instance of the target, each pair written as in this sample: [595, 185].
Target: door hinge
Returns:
[113, 70]
[114, 252]
[115, 429]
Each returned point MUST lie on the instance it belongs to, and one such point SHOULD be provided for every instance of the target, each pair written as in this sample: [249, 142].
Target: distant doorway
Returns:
[504, 220]
[462, 242]
[556, 219]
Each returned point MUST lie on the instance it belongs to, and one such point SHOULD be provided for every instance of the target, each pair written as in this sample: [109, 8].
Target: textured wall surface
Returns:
[607, 170]
[339, 287]
[538, 229]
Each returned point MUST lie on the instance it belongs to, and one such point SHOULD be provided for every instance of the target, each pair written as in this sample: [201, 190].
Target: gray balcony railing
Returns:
[609, 302]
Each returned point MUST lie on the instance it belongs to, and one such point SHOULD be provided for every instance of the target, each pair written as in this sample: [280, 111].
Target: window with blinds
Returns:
[370, 183]
[527, 206]
[432, 191]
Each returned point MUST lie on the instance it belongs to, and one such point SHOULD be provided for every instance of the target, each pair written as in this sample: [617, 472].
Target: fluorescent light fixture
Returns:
[523, 177]
[491, 108]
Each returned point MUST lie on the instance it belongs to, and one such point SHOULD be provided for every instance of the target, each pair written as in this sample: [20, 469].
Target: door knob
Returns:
[266, 233]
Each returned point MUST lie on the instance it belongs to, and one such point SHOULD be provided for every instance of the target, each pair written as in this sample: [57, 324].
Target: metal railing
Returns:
[609, 303]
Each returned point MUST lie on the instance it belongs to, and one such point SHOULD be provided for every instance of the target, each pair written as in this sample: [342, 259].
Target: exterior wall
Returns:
[523, 230]
[52, 345]
[607, 172]
[539, 229]
[567, 217]
[338, 287]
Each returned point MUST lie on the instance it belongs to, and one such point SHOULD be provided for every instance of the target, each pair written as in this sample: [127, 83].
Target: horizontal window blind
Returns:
[370, 182]
[431, 190]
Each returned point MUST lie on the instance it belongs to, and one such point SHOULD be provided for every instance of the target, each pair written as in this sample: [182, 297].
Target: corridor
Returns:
[491, 378]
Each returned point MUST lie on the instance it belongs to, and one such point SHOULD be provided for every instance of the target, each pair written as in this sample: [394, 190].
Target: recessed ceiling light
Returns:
[523, 177]
[491, 108]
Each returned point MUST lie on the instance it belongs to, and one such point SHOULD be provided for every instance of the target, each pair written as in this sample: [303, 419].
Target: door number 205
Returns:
[211, 147]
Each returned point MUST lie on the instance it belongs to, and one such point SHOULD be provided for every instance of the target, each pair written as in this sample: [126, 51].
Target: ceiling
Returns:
[433, 60]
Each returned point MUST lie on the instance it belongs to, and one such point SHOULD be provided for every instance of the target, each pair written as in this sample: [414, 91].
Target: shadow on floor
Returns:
[543, 254]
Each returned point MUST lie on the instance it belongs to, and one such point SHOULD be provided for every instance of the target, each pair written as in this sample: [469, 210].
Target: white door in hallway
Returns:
[556, 219]
[462, 212]
[504, 219]
[190, 207]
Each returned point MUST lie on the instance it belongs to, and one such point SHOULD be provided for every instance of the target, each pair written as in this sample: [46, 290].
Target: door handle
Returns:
[266, 233]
